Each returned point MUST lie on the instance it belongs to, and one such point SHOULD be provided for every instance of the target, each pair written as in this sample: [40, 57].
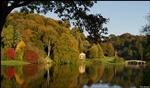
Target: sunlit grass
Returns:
[110, 60]
[13, 62]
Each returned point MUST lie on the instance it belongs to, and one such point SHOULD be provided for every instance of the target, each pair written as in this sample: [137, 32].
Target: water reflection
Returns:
[73, 76]
[82, 68]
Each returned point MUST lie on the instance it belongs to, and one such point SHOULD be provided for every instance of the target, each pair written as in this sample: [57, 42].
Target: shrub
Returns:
[10, 53]
[30, 56]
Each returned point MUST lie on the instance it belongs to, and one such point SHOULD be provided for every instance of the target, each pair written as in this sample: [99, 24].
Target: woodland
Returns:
[32, 37]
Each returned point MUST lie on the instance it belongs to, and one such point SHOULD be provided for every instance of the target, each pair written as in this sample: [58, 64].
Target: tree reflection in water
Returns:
[145, 77]
[76, 76]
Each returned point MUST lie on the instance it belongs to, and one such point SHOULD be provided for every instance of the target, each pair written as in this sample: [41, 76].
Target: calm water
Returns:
[74, 76]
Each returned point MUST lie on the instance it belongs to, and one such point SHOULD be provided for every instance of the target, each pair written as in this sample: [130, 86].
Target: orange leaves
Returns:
[30, 56]
[27, 34]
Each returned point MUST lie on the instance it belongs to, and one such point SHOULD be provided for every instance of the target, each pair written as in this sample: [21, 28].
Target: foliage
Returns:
[94, 26]
[9, 72]
[30, 56]
[65, 9]
[129, 46]
[8, 36]
[108, 48]
[83, 44]
[10, 53]
[93, 52]
[100, 51]
[30, 69]
[118, 59]
[65, 50]
[20, 46]
[146, 30]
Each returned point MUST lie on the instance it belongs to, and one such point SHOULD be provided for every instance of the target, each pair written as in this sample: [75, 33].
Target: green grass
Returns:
[109, 60]
[13, 62]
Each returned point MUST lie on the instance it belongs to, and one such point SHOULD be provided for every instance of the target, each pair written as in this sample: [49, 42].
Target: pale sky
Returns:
[125, 16]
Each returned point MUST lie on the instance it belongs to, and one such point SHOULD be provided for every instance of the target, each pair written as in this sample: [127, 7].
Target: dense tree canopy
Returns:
[69, 9]
[74, 10]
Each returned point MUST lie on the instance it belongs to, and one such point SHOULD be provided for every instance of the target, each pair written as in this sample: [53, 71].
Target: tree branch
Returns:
[18, 4]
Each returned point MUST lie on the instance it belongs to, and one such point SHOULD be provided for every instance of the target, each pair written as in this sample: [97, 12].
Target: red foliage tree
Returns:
[30, 56]
[9, 72]
[10, 53]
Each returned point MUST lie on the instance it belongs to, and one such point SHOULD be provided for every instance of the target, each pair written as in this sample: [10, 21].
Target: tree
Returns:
[93, 52]
[65, 50]
[140, 49]
[146, 30]
[65, 9]
[94, 26]
[30, 56]
[7, 36]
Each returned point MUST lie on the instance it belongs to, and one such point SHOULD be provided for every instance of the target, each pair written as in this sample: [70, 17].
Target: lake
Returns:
[75, 76]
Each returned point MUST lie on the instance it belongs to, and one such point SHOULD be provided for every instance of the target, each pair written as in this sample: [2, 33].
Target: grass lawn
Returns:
[109, 60]
[13, 62]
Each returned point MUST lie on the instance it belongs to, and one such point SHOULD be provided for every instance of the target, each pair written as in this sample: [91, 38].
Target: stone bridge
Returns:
[140, 62]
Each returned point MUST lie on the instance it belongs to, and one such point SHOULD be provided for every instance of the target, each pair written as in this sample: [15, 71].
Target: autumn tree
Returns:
[83, 44]
[20, 48]
[67, 9]
[30, 56]
[65, 50]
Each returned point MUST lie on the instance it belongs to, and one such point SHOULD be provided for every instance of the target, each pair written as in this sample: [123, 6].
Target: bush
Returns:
[10, 53]
[30, 56]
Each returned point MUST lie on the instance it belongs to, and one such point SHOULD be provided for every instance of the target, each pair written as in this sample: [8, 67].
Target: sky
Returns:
[125, 16]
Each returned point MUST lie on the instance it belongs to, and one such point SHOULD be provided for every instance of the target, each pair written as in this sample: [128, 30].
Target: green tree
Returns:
[8, 36]
[93, 52]
[146, 30]
[65, 50]
[108, 49]
[83, 44]
[140, 50]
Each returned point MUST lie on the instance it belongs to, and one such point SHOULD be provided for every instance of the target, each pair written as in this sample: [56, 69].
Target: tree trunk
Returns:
[49, 47]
